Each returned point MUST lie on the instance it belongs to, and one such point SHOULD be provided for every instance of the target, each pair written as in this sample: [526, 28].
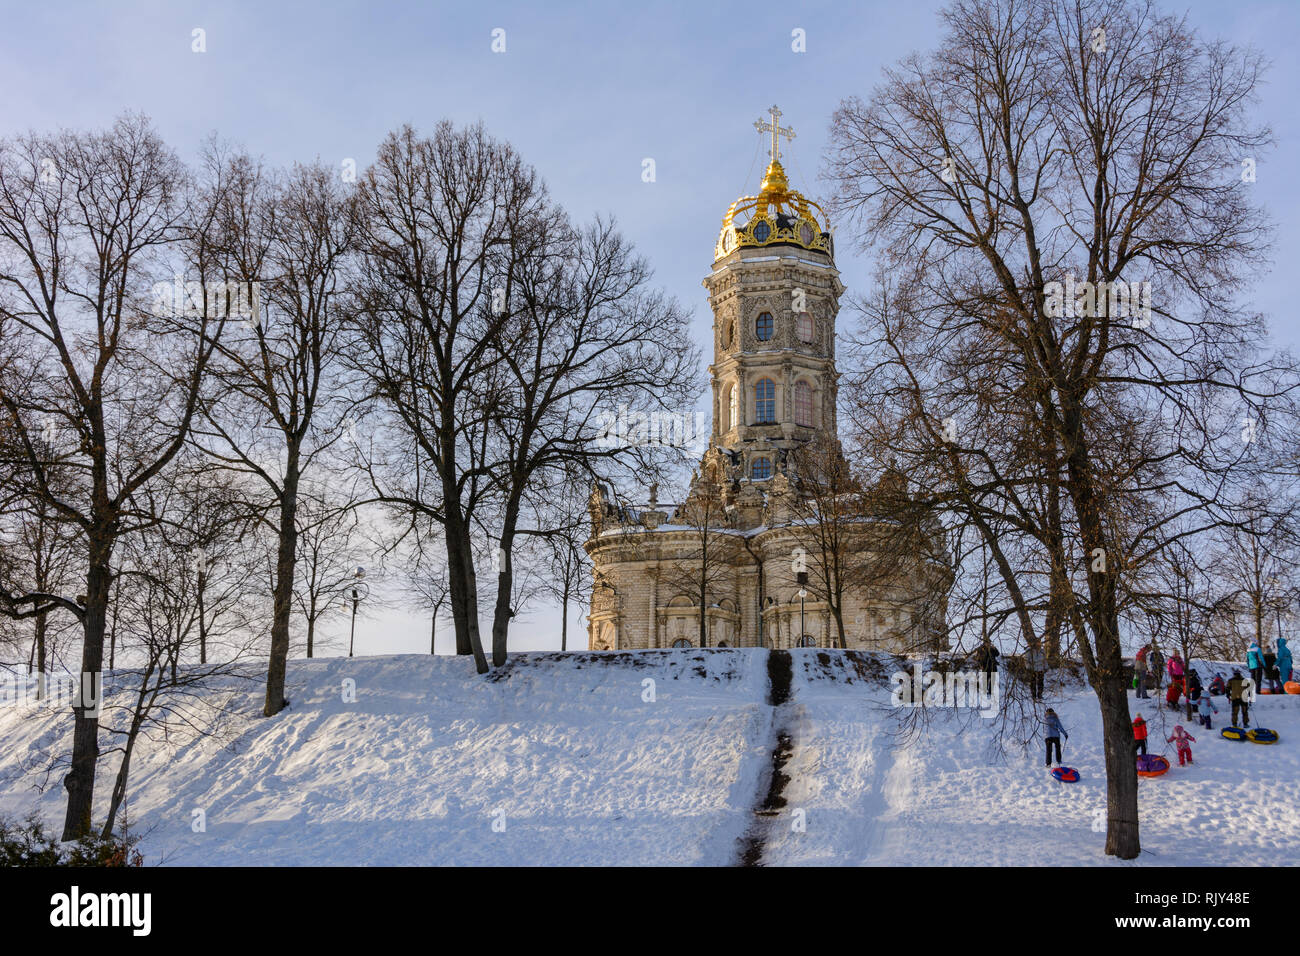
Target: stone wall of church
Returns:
[647, 595]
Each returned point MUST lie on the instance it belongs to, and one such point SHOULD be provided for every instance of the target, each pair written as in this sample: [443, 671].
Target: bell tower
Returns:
[774, 291]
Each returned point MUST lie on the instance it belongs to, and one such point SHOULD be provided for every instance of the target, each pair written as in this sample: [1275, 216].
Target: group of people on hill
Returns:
[1271, 666]
[1180, 738]
[1184, 681]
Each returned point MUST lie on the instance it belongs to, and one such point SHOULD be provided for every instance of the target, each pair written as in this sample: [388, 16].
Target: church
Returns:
[777, 543]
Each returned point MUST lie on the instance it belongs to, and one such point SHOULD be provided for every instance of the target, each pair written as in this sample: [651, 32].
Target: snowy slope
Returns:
[943, 798]
[583, 770]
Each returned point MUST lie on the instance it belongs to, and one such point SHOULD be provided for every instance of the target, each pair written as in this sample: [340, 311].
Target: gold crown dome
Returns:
[778, 215]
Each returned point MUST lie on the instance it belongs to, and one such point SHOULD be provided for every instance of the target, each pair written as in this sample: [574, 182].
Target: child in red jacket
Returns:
[1175, 691]
[1140, 734]
[1184, 740]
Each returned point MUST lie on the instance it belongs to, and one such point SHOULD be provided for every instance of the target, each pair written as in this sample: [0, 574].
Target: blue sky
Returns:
[584, 91]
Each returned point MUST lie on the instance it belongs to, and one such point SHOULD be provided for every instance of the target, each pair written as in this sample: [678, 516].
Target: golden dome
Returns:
[778, 215]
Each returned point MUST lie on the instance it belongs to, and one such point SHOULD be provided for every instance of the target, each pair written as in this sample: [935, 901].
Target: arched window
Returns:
[807, 641]
[723, 644]
[761, 469]
[803, 403]
[733, 407]
[805, 327]
[765, 401]
[763, 326]
[682, 642]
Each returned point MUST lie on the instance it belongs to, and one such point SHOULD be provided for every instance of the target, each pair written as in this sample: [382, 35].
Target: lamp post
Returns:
[802, 579]
[358, 593]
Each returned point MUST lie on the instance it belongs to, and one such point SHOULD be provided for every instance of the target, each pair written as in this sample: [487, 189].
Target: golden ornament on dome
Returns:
[778, 215]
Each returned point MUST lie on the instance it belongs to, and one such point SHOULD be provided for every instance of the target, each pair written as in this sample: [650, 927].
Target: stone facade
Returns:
[749, 523]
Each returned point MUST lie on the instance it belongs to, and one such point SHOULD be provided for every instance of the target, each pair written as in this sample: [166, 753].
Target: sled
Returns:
[1233, 733]
[1151, 765]
[1292, 687]
[1262, 735]
[1266, 690]
[1066, 774]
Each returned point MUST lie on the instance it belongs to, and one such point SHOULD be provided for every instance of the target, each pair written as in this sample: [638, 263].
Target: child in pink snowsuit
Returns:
[1184, 740]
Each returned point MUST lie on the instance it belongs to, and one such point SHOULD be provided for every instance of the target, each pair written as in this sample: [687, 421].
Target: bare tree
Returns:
[87, 220]
[492, 331]
[1028, 150]
[282, 399]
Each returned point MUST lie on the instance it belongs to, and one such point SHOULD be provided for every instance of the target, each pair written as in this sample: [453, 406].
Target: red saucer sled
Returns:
[1151, 765]
[1066, 774]
[1292, 687]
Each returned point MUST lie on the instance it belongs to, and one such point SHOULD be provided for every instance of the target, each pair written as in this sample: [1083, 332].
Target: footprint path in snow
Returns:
[770, 799]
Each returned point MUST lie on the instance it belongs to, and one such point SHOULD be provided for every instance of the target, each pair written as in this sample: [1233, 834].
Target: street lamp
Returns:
[357, 593]
[802, 579]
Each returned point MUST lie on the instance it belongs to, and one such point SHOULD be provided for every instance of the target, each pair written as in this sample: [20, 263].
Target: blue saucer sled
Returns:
[1262, 735]
[1066, 774]
[1233, 733]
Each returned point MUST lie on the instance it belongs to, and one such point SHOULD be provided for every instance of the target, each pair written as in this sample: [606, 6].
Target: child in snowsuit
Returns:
[1140, 734]
[1054, 734]
[1184, 740]
[1204, 708]
[1193, 685]
[1175, 691]
[1218, 685]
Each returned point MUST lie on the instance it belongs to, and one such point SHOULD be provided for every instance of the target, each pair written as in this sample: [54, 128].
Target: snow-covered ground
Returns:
[571, 759]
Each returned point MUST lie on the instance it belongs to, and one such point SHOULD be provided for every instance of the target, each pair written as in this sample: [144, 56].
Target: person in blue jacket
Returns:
[1255, 664]
[1054, 734]
[1283, 660]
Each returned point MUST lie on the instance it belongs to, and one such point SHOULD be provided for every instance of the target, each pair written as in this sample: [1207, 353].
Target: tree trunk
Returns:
[123, 772]
[505, 583]
[284, 571]
[80, 779]
[203, 627]
[1121, 771]
[1106, 672]
[463, 588]
[40, 656]
[564, 616]
[433, 632]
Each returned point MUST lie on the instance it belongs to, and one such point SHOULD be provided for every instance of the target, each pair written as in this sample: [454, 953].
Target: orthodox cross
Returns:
[775, 130]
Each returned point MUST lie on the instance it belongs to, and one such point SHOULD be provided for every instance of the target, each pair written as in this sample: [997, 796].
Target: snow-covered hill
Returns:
[578, 759]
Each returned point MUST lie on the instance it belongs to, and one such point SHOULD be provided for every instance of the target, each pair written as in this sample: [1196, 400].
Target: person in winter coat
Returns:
[1176, 668]
[1036, 664]
[1054, 734]
[1156, 664]
[1255, 664]
[1139, 734]
[1283, 660]
[1204, 707]
[1140, 672]
[1175, 691]
[1184, 740]
[1193, 685]
[1236, 694]
[1270, 672]
[1218, 685]
[986, 659]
